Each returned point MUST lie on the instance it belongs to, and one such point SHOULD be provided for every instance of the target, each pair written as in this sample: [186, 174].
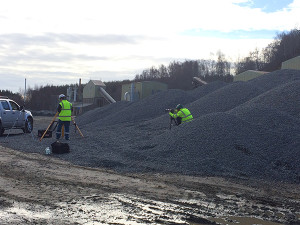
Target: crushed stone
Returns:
[240, 129]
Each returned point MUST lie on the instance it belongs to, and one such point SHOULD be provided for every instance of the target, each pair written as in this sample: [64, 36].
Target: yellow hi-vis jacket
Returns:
[184, 113]
[66, 111]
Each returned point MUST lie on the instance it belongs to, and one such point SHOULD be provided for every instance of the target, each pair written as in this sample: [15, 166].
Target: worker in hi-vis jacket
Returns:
[64, 117]
[181, 115]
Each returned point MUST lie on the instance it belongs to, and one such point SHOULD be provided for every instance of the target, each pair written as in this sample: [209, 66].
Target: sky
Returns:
[58, 42]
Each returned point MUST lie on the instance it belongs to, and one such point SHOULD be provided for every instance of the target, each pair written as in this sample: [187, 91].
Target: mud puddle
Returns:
[242, 221]
[130, 209]
[36, 189]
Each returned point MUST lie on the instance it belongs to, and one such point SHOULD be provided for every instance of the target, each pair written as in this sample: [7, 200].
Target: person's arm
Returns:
[173, 113]
[59, 108]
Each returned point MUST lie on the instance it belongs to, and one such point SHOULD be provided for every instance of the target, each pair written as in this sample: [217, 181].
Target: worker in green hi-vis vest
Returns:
[181, 115]
[64, 117]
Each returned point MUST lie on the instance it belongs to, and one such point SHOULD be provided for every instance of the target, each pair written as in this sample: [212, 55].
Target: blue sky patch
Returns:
[238, 34]
[267, 6]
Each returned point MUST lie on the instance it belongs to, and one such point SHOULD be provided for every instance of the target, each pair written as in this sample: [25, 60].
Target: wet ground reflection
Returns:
[131, 210]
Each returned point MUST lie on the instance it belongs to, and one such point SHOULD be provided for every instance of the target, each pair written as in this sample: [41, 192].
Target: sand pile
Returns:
[241, 129]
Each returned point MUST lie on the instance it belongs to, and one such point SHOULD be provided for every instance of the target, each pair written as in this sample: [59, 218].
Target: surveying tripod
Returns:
[53, 120]
[171, 122]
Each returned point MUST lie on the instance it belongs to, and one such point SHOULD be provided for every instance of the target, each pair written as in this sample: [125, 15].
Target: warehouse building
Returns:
[139, 90]
[248, 75]
[293, 63]
[94, 93]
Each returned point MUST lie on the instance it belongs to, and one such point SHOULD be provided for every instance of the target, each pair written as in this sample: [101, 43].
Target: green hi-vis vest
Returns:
[66, 112]
[184, 113]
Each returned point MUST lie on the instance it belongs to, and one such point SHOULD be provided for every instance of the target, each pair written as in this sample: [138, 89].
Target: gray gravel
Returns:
[241, 129]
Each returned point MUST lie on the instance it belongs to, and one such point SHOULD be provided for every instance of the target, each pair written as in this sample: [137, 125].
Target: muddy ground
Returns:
[41, 189]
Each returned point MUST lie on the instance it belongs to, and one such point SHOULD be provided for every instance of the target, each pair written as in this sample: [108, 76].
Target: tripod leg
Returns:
[48, 127]
[77, 127]
[171, 120]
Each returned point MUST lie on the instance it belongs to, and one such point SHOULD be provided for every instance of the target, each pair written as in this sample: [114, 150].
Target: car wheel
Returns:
[28, 125]
[1, 129]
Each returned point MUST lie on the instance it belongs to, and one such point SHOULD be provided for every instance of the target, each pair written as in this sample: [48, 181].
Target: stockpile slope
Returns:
[215, 144]
[271, 80]
[145, 109]
[148, 108]
[248, 129]
[206, 89]
[224, 144]
[283, 98]
[102, 112]
[239, 130]
[225, 98]
[219, 98]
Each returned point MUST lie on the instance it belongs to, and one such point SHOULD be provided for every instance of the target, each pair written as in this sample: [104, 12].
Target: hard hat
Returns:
[179, 106]
[61, 96]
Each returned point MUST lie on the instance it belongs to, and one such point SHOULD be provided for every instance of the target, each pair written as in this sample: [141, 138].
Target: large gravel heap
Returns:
[241, 129]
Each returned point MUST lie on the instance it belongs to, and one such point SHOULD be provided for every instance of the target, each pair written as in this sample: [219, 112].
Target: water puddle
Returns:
[242, 221]
[132, 210]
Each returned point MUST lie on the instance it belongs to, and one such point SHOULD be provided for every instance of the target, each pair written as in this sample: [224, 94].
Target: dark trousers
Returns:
[67, 129]
[177, 120]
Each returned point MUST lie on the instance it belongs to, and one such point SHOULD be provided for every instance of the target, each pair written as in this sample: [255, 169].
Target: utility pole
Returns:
[25, 93]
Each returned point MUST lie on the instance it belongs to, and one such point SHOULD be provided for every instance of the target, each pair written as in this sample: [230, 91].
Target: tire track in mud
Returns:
[36, 188]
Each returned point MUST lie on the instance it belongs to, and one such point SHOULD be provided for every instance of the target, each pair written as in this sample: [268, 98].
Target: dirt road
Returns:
[40, 189]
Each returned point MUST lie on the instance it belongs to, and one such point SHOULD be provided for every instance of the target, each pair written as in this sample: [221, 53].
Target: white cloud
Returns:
[62, 40]
[135, 16]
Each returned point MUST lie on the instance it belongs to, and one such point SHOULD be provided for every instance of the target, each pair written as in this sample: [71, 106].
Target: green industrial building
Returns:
[139, 90]
[94, 93]
[248, 75]
[293, 63]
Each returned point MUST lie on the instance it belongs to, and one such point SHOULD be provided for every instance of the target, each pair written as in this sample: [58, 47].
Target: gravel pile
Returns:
[102, 113]
[145, 109]
[274, 79]
[241, 129]
[225, 98]
[206, 89]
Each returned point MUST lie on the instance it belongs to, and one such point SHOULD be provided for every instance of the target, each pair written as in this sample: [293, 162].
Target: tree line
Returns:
[38, 98]
[46, 97]
[285, 46]
[179, 75]
[17, 97]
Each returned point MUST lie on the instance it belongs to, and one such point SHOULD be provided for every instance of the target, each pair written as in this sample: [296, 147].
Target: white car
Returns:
[12, 116]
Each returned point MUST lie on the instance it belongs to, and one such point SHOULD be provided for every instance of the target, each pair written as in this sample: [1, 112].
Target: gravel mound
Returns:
[144, 109]
[225, 98]
[241, 129]
[276, 78]
[222, 144]
[206, 89]
[101, 113]
[284, 98]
